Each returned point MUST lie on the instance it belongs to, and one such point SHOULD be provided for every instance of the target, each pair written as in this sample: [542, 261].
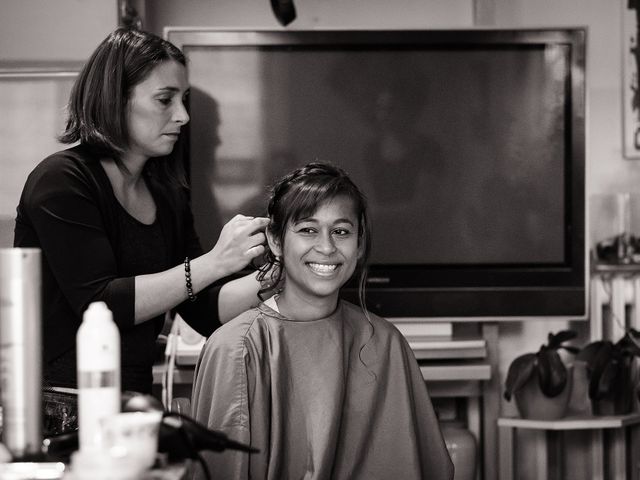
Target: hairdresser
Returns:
[112, 216]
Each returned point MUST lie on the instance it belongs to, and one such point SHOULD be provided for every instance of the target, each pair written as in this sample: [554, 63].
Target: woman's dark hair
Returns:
[97, 109]
[298, 195]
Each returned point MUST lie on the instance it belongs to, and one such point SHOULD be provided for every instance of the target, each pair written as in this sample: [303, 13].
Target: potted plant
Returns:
[540, 381]
[612, 380]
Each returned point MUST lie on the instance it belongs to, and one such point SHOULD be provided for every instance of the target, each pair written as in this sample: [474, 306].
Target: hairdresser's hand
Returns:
[241, 240]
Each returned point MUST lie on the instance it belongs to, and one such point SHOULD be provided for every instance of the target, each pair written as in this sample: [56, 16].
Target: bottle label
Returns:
[95, 404]
[97, 379]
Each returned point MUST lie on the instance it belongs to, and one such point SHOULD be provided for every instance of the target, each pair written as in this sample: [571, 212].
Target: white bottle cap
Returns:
[97, 310]
[98, 340]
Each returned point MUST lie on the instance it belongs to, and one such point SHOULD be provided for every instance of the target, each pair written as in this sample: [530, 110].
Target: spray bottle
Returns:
[98, 359]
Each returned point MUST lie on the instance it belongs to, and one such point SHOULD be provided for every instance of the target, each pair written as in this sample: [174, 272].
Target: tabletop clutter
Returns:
[119, 434]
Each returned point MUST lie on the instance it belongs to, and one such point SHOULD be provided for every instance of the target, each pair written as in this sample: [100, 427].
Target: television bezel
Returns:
[487, 292]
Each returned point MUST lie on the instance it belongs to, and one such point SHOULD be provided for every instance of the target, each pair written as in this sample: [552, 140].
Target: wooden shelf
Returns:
[425, 348]
[573, 422]
[456, 372]
[616, 268]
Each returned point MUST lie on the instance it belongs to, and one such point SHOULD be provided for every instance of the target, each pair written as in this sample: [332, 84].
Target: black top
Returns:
[92, 249]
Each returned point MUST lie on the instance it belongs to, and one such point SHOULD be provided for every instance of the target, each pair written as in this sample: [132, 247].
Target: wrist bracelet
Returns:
[187, 277]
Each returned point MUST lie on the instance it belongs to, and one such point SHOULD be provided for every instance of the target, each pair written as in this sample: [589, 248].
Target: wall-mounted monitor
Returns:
[469, 144]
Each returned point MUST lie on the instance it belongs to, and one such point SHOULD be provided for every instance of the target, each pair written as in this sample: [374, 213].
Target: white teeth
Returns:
[322, 268]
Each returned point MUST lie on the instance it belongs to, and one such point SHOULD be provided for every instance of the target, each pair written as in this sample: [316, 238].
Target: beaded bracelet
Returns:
[187, 277]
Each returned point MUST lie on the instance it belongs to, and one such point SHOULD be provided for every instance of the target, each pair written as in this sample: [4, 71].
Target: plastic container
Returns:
[136, 433]
[108, 464]
[98, 357]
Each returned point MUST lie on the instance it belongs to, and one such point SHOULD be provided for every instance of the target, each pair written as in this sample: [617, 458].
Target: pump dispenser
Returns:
[98, 363]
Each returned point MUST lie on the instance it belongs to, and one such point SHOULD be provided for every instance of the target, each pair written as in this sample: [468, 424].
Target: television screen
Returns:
[469, 146]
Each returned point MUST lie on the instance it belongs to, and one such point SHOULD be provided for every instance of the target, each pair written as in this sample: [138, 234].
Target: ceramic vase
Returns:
[535, 405]
[462, 447]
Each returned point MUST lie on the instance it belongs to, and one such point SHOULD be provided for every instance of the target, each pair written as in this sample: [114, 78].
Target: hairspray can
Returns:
[21, 350]
[98, 358]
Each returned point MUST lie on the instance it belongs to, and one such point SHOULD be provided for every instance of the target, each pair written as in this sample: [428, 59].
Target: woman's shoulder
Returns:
[235, 342]
[77, 156]
[234, 331]
[64, 167]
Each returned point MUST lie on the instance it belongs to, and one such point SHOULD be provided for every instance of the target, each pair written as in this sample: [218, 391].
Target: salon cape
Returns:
[335, 398]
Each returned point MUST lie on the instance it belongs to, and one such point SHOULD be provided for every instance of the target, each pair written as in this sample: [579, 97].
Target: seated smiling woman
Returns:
[323, 388]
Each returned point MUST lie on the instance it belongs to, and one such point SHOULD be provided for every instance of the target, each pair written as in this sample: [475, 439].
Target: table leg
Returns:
[635, 447]
[490, 403]
[597, 455]
[507, 444]
[541, 451]
[555, 454]
[619, 460]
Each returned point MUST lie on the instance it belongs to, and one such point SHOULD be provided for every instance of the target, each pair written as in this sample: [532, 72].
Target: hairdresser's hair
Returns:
[97, 109]
[298, 195]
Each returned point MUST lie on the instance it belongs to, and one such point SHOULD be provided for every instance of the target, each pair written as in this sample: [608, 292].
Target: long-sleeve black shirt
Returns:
[92, 249]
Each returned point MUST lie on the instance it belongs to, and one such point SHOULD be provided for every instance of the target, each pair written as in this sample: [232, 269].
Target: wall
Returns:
[37, 30]
[57, 34]
[311, 14]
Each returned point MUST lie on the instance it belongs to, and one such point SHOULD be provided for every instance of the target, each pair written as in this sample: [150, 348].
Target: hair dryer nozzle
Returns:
[183, 437]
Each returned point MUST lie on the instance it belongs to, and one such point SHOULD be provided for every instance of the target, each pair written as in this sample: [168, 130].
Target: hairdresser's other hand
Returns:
[241, 240]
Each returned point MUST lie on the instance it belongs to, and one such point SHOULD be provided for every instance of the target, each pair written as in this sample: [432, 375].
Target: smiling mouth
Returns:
[323, 268]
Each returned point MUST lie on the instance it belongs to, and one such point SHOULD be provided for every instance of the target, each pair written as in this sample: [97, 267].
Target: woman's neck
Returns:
[306, 309]
[131, 190]
[123, 177]
[134, 166]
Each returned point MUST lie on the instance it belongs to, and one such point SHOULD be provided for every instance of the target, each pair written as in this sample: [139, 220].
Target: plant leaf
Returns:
[519, 372]
[552, 373]
[607, 380]
[559, 338]
[629, 345]
[589, 353]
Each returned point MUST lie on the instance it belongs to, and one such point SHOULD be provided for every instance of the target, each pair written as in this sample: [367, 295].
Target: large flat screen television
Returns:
[469, 144]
